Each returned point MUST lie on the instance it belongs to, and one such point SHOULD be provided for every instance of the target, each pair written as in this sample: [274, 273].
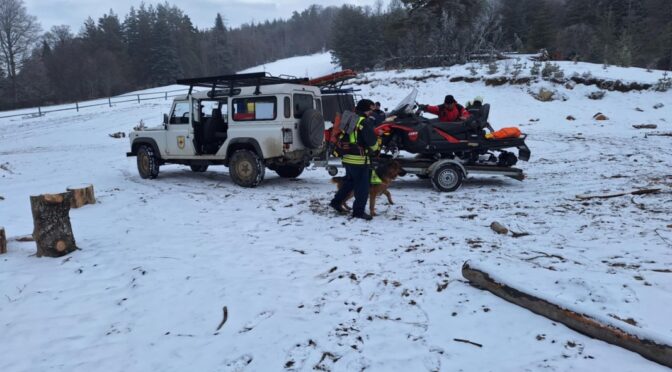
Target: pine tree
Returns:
[165, 65]
[541, 30]
[351, 39]
[218, 50]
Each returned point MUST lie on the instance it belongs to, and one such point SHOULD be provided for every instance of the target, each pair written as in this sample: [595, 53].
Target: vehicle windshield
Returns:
[407, 104]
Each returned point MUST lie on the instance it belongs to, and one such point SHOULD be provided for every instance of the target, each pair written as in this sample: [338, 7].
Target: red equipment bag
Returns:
[511, 132]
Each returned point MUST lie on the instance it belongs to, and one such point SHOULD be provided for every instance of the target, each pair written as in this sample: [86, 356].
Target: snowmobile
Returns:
[466, 141]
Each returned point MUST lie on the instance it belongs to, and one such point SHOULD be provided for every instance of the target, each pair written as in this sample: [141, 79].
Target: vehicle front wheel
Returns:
[246, 168]
[447, 178]
[289, 171]
[198, 168]
[148, 162]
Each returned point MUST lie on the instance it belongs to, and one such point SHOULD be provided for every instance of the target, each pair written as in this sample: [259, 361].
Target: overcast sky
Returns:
[202, 12]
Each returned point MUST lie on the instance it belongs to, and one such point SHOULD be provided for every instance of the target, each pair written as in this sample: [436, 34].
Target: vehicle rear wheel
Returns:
[148, 162]
[246, 168]
[199, 168]
[289, 171]
[447, 178]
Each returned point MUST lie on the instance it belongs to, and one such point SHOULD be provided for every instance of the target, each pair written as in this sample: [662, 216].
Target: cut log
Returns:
[650, 349]
[499, 228]
[82, 195]
[3, 241]
[52, 230]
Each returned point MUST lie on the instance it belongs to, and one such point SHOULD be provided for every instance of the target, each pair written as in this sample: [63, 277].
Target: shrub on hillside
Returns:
[664, 83]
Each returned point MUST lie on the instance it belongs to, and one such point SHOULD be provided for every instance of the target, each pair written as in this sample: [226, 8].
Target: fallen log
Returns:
[648, 348]
[82, 195]
[3, 241]
[25, 238]
[607, 196]
[52, 230]
[661, 134]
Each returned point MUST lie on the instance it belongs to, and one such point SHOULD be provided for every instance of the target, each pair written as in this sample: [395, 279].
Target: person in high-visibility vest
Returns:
[357, 161]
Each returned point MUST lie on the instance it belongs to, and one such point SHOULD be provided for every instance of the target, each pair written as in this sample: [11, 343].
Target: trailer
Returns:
[446, 175]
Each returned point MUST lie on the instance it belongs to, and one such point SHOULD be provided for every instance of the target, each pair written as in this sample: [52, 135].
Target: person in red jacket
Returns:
[449, 111]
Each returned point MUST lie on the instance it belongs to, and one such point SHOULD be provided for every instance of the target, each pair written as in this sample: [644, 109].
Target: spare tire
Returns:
[311, 129]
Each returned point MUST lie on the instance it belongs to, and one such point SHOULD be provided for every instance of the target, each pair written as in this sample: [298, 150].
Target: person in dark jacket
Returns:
[448, 112]
[362, 142]
[379, 113]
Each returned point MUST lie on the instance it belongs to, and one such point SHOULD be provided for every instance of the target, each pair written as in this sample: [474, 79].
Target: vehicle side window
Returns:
[180, 113]
[302, 102]
[254, 109]
[288, 107]
[210, 107]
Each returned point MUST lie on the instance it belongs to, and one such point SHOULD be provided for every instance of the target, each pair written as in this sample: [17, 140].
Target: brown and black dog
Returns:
[387, 171]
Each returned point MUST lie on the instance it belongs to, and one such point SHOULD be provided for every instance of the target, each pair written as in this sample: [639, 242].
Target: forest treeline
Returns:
[152, 45]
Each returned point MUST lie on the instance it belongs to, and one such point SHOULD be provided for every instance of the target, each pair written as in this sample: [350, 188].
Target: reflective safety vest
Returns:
[356, 154]
[375, 180]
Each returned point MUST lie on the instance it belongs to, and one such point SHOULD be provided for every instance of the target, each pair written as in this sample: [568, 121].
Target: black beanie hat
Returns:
[363, 105]
[449, 99]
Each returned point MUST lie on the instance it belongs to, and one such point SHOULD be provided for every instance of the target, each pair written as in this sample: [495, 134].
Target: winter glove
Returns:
[423, 107]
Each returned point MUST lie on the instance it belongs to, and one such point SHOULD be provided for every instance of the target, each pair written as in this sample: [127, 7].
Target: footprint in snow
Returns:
[255, 322]
[239, 363]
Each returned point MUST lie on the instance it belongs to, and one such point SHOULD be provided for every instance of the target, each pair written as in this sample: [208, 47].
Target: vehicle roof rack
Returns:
[254, 79]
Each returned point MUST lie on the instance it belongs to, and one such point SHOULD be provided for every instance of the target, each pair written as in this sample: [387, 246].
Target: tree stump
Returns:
[82, 195]
[624, 337]
[52, 230]
[3, 241]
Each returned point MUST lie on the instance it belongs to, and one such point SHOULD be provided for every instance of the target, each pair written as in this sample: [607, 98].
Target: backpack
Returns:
[344, 125]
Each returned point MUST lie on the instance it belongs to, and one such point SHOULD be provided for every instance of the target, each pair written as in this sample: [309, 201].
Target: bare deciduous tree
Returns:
[18, 33]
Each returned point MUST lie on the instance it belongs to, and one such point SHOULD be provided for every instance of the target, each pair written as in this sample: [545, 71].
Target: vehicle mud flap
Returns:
[524, 153]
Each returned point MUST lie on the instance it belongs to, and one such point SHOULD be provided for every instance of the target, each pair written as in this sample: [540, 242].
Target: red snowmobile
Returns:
[466, 141]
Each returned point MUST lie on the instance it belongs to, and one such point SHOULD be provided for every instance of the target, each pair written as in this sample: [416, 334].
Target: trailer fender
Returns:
[441, 162]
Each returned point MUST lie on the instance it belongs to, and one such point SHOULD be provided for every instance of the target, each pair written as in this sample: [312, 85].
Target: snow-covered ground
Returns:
[306, 289]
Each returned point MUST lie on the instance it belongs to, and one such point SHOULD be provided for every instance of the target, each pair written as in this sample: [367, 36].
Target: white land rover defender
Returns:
[246, 121]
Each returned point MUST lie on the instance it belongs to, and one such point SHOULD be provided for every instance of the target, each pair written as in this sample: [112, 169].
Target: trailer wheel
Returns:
[447, 178]
[332, 170]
